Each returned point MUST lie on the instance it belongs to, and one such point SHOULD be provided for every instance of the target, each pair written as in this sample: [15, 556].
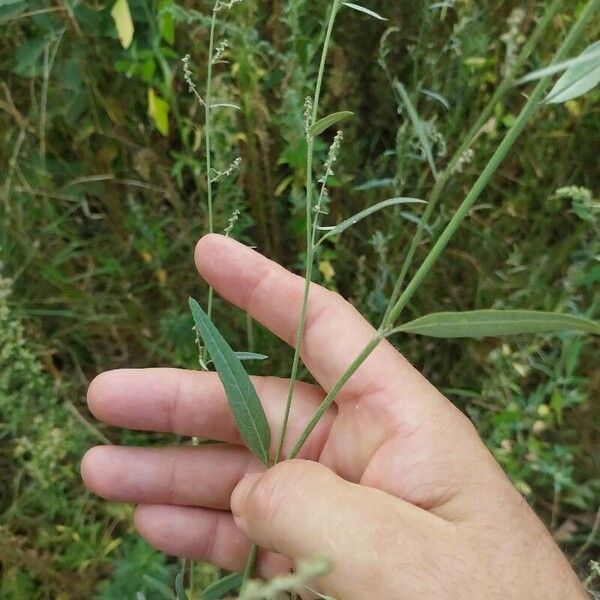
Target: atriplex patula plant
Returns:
[213, 176]
[579, 76]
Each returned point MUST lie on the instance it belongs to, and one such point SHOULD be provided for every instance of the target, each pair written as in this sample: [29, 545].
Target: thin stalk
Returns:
[327, 402]
[524, 117]
[471, 135]
[250, 564]
[507, 143]
[209, 199]
[249, 333]
[310, 228]
[43, 113]
[207, 139]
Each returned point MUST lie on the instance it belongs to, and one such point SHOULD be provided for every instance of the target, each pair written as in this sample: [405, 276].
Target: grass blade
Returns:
[241, 395]
[417, 124]
[326, 122]
[493, 323]
[179, 588]
[337, 229]
[225, 585]
[362, 9]
[577, 80]
[225, 105]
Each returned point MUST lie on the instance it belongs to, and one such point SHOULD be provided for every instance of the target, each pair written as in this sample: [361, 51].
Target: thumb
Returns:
[303, 510]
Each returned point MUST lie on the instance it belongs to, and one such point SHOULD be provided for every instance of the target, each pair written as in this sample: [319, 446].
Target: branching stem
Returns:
[446, 175]
[506, 145]
[311, 225]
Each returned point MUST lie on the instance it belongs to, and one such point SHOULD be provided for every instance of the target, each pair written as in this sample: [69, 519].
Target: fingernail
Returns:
[240, 495]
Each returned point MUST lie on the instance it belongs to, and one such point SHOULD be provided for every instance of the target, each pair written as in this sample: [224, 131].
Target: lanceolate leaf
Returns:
[362, 9]
[592, 54]
[577, 80]
[225, 105]
[337, 229]
[241, 395]
[495, 323]
[123, 22]
[326, 122]
[222, 587]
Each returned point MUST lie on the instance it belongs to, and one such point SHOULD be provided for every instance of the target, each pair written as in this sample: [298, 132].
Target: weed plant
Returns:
[96, 229]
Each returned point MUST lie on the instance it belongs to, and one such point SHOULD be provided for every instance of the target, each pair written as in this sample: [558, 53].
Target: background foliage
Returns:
[101, 202]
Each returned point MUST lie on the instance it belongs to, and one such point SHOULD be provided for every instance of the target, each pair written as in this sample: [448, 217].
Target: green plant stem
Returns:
[310, 229]
[469, 138]
[359, 360]
[512, 135]
[207, 139]
[250, 564]
[209, 197]
[507, 143]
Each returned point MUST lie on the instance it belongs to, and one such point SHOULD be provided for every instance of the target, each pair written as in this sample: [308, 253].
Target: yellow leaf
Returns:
[573, 107]
[327, 270]
[158, 111]
[122, 18]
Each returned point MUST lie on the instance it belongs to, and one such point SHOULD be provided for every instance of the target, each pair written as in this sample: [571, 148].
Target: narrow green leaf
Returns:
[218, 589]
[590, 55]
[166, 23]
[179, 589]
[362, 9]
[441, 99]
[373, 184]
[417, 124]
[225, 105]
[326, 122]
[577, 80]
[496, 323]
[246, 356]
[337, 229]
[241, 395]
[251, 356]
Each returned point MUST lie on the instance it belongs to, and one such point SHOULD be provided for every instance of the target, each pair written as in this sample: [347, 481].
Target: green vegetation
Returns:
[103, 193]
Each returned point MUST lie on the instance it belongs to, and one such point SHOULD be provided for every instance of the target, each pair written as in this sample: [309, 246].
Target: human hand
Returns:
[394, 484]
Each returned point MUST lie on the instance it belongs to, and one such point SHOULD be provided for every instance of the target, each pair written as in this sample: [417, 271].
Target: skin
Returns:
[394, 485]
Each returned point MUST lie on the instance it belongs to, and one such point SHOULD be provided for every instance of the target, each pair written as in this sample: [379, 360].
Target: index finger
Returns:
[334, 334]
